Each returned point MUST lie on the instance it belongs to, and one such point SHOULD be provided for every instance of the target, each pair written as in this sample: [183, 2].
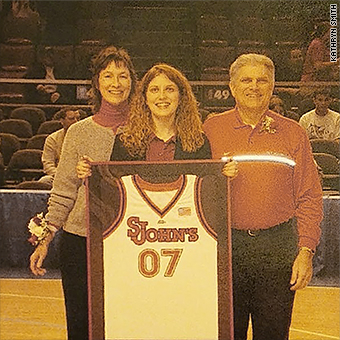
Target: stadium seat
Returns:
[49, 126]
[83, 53]
[63, 59]
[216, 56]
[2, 171]
[19, 127]
[36, 142]
[25, 165]
[326, 146]
[34, 115]
[17, 52]
[9, 145]
[330, 166]
[33, 185]
[215, 27]
[12, 92]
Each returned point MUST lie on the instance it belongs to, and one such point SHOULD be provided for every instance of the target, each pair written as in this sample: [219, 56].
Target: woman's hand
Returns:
[84, 167]
[39, 255]
[230, 169]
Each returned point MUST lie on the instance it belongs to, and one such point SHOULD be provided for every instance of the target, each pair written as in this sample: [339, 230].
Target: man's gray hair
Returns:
[251, 59]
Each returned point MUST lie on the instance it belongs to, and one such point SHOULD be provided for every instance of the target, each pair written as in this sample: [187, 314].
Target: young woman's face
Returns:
[114, 83]
[162, 97]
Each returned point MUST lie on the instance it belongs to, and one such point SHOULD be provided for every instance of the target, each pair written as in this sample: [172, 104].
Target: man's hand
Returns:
[302, 270]
[230, 169]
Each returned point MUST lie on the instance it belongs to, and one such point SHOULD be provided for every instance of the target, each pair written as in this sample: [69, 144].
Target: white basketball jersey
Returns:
[160, 264]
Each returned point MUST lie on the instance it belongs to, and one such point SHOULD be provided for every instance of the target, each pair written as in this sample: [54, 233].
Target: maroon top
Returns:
[159, 150]
[112, 115]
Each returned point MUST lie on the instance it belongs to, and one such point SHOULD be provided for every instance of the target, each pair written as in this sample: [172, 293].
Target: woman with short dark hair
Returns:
[113, 85]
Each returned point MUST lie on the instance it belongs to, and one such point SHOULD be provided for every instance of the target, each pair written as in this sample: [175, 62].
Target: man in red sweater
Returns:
[276, 201]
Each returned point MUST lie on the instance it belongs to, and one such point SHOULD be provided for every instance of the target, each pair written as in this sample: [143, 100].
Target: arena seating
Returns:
[200, 40]
[35, 116]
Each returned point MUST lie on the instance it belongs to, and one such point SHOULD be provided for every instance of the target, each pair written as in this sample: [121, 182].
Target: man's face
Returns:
[252, 87]
[322, 102]
[71, 117]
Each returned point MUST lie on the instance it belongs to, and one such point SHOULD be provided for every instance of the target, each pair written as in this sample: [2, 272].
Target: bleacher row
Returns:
[23, 134]
[22, 138]
[199, 39]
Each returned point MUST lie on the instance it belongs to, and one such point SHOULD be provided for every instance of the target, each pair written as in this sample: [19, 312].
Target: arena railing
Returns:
[211, 94]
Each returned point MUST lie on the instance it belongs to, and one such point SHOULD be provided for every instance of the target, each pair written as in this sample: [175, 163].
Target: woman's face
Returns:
[162, 97]
[114, 83]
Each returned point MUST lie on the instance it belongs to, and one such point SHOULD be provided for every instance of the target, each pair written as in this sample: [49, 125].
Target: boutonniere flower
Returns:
[38, 228]
[267, 125]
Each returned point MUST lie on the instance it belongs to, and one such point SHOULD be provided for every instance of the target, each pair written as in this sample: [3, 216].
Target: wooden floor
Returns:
[32, 309]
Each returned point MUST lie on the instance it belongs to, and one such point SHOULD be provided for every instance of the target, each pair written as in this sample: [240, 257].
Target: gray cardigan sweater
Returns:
[66, 205]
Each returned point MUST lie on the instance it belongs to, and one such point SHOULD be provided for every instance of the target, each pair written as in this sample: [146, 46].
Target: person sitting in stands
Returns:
[276, 104]
[317, 65]
[49, 90]
[321, 122]
[43, 93]
[53, 143]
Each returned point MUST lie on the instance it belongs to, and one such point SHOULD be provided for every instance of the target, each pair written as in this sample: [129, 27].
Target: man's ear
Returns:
[231, 87]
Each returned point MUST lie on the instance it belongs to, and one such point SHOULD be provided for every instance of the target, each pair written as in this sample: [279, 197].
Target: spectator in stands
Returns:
[276, 104]
[276, 201]
[322, 122]
[113, 86]
[48, 90]
[45, 69]
[317, 65]
[53, 143]
[295, 65]
[21, 22]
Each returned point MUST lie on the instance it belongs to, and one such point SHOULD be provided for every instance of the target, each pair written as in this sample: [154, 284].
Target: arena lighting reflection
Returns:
[260, 158]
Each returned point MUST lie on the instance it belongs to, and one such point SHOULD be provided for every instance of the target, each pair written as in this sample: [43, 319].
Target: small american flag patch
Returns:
[184, 211]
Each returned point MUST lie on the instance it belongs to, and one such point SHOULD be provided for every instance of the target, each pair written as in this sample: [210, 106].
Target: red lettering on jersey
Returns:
[138, 228]
[164, 235]
[178, 235]
[152, 235]
[139, 234]
[193, 234]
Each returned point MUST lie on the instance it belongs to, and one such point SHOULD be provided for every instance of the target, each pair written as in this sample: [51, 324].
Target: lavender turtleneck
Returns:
[112, 116]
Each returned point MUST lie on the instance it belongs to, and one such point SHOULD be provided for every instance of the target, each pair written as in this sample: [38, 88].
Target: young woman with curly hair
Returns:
[164, 122]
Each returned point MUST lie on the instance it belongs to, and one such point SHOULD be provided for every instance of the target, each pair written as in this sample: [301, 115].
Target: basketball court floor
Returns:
[32, 309]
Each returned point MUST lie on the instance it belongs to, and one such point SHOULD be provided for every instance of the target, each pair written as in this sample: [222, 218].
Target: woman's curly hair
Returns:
[139, 128]
[100, 62]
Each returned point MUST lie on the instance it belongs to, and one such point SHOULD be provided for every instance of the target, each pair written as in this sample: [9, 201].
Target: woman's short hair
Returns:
[251, 59]
[100, 62]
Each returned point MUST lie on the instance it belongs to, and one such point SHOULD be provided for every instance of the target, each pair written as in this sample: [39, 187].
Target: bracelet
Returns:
[311, 251]
[38, 227]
